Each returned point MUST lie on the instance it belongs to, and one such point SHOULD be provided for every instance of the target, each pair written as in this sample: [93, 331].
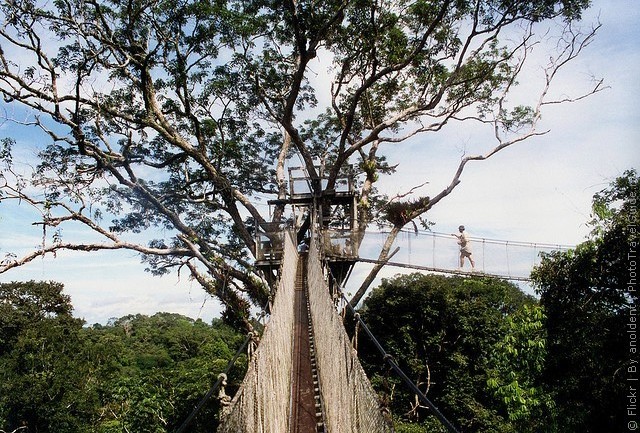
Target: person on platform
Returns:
[303, 247]
[465, 248]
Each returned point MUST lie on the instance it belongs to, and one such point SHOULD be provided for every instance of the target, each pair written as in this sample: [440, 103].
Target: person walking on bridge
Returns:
[465, 248]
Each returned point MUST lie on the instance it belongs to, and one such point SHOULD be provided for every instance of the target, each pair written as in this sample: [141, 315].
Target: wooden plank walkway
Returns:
[306, 413]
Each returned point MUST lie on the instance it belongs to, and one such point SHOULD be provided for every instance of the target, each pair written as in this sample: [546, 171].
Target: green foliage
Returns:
[139, 373]
[587, 295]
[517, 362]
[443, 332]
[22, 304]
[167, 363]
[405, 427]
[45, 382]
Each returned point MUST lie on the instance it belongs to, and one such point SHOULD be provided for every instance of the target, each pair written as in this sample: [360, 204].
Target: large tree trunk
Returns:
[382, 259]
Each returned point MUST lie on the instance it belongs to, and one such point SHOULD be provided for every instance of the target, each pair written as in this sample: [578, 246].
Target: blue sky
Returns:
[537, 191]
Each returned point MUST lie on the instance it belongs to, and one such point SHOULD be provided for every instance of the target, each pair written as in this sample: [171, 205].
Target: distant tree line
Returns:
[135, 374]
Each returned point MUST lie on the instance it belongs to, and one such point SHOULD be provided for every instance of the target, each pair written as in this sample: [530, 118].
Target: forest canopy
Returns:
[136, 373]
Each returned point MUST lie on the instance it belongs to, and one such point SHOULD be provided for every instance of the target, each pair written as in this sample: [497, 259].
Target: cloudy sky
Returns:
[538, 191]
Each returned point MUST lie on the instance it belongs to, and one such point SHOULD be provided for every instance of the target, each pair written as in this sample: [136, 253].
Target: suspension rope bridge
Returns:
[304, 377]
[438, 252]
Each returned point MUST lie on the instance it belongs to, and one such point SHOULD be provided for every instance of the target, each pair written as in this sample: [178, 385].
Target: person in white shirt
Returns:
[465, 248]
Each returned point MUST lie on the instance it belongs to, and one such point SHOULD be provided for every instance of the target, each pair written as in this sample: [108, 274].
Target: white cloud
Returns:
[110, 284]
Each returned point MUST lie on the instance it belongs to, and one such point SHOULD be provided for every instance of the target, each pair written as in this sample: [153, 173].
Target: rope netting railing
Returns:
[262, 404]
[440, 252]
[350, 403]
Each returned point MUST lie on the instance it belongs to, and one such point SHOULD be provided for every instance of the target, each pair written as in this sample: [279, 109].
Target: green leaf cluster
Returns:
[518, 360]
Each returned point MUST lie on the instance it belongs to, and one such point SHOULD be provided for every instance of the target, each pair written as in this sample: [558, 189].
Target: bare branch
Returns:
[7, 264]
